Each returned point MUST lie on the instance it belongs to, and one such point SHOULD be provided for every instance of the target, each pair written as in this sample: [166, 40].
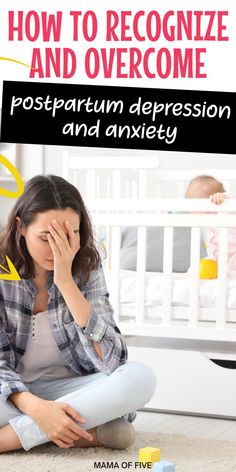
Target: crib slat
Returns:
[115, 266]
[167, 275]
[116, 180]
[65, 165]
[134, 190]
[90, 184]
[221, 300]
[194, 277]
[141, 268]
[142, 184]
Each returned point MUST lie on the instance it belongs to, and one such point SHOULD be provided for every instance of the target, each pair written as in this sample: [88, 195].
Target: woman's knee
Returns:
[140, 381]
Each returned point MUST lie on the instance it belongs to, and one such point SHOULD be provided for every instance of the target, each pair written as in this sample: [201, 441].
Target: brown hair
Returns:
[203, 186]
[43, 193]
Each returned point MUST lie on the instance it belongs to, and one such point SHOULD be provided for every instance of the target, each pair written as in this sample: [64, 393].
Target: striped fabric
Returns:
[74, 343]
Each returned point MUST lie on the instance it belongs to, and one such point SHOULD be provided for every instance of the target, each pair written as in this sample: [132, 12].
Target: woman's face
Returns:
[36, 235]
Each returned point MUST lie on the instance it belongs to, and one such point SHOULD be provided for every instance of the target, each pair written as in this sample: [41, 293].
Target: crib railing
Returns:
[192, 321]
[114, 174]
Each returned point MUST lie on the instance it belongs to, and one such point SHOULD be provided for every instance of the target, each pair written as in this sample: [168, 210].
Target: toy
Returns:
[208, 269]
[163, 466]
[149, 454]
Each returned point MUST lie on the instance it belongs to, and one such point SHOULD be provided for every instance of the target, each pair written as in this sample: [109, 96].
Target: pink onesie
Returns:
[231, 254]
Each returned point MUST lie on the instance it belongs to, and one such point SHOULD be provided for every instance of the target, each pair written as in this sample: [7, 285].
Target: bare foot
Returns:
[9, 440]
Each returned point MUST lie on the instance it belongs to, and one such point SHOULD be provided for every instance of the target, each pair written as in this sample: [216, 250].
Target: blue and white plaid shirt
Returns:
[74, 343]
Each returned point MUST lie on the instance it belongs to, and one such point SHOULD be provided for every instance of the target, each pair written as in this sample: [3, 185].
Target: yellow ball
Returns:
[208, 269]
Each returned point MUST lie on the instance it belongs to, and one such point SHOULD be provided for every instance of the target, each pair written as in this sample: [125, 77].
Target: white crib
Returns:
[176, 336]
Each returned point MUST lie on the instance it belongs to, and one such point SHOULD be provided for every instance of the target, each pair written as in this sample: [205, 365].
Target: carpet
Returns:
[189, 455]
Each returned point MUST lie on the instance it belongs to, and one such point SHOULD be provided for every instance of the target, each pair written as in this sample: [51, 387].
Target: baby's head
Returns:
[203, 186]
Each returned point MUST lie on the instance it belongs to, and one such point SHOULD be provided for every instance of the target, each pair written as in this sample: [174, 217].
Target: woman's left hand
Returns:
[64, 245]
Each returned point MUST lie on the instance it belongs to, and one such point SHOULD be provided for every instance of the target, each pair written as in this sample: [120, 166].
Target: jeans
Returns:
[99, 398]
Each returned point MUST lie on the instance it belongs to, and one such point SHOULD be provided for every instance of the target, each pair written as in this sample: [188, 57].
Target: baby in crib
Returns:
[206, 186]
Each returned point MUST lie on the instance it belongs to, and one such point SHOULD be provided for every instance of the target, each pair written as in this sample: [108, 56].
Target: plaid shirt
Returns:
[74, 343]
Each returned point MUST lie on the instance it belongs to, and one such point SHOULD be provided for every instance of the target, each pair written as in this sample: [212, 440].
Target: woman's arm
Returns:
[101, 327]
[78, 306]
[26, 402]
[54, 418]
[57, 420]
[10, 380]
[102, 341]
[64, 249]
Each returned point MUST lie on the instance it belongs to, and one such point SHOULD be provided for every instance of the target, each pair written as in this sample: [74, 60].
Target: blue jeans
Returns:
[99, 398]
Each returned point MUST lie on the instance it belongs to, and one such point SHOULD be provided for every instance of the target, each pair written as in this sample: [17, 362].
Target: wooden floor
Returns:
[209, 428]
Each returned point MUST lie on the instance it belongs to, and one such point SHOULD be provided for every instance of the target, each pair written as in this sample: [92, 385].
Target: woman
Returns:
[63, 371]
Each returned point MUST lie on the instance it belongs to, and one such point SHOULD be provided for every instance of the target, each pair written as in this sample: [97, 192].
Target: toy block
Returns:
[149, 454]
[163, 466]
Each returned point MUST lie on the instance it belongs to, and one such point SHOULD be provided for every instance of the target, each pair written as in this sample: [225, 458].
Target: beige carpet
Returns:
[189, 455]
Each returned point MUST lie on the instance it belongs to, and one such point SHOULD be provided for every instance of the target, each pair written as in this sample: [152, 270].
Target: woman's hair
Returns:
[43, 193]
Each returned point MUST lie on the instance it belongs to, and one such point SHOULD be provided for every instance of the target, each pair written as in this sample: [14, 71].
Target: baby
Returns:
[206, 186]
